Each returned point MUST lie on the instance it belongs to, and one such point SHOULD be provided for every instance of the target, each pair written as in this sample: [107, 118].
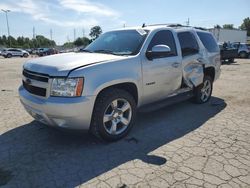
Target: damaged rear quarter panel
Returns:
[193, 73]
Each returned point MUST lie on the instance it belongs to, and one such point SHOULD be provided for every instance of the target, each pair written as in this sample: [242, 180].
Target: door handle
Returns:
[175, 65]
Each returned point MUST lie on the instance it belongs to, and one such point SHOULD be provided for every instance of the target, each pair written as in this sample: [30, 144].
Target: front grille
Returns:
[34, 90]
[35, 83]
[35, 76]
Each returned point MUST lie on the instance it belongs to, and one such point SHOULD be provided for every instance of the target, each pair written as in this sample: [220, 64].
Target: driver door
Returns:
[161, 76]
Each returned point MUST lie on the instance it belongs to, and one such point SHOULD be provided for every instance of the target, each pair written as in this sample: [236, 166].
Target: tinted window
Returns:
[124, 42]
[189, 45]
[166, 38]
[208, 41]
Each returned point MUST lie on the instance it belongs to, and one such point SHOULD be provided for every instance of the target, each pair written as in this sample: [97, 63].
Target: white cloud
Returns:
[84, 6]
[88, 12]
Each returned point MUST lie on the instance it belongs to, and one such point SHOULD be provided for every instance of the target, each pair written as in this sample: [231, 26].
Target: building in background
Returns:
[229, 35]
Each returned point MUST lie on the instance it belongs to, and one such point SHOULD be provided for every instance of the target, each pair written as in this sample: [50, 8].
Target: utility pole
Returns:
[83, 32]
[7, 21]
[50, 34]
[188, 22]
[74, 34]
[34, 32]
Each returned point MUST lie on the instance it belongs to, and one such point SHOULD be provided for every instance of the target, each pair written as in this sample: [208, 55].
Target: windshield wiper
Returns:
[83, 50]
[105, 52]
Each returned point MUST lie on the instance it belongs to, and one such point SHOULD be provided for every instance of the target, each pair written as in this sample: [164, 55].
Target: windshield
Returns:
[125, 42]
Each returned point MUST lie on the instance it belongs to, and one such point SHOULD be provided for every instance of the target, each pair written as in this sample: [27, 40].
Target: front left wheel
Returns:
[114, 114]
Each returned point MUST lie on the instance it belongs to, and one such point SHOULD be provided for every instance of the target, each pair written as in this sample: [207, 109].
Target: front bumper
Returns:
[72, 113]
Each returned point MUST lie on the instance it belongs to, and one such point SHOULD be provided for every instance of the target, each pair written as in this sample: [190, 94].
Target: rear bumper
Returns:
[71, 113]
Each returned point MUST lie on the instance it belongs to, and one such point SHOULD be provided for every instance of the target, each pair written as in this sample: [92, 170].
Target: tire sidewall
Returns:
[101, 105]
[198, 93]
[243, 54]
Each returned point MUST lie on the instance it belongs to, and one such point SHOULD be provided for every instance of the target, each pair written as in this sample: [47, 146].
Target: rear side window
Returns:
[189, 45]
[166, 38]
[208, 41]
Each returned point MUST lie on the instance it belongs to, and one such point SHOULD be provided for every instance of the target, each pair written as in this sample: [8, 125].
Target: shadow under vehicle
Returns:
[33, 155]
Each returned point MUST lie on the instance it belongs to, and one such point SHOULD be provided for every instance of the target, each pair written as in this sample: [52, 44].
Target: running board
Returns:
[172, 99]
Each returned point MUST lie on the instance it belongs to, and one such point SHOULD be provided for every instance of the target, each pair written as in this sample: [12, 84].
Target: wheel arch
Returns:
[210, 71]
[130, 87]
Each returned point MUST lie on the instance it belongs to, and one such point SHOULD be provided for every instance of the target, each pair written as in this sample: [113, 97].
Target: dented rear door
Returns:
[192, 61]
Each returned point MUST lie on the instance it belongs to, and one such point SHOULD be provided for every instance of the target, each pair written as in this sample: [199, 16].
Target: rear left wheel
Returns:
[203, 92]
[114, 114]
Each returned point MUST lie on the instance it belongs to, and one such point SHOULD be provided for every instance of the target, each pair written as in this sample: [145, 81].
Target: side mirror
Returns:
[158, 51]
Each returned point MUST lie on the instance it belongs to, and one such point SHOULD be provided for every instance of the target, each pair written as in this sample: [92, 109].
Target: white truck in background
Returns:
[229, 35]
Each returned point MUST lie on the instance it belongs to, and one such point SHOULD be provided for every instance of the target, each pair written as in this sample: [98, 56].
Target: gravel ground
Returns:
[183, 145]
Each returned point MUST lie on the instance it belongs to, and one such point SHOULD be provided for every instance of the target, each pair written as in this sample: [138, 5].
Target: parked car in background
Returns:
[14, 52]
[46, 51]
[101, 88]
[28, 50]
[228, 54]
[243, 49]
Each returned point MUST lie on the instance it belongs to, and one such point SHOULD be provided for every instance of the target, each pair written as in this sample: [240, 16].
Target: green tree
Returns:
[21, 42]
[95, 32]
[68, 45]
[246, 25]
[12, 41]
[228, 26]
[217, 26]
[84, 41]
[44, 42]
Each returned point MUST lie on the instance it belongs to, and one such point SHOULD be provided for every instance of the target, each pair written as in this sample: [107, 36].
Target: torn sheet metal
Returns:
[193, 73]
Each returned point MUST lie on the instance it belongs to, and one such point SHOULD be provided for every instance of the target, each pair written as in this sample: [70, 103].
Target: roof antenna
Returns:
[143, 25]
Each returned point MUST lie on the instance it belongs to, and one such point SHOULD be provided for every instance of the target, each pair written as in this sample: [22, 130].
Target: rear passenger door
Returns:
[161, 76]
[192, 61]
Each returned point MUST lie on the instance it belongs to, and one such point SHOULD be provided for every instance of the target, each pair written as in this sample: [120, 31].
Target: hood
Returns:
[62, 64]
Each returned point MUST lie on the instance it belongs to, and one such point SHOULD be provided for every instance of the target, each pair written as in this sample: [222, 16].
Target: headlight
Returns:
[67, 87]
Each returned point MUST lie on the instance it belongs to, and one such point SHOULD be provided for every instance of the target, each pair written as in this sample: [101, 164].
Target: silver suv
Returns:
[8, 53]
[101, 88]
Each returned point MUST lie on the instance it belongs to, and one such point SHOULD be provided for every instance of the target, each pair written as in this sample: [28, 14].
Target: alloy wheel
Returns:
[206, 90]
[117, 116]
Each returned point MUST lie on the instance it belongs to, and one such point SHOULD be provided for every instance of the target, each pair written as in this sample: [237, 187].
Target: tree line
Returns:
[24, 42]
[42, 42]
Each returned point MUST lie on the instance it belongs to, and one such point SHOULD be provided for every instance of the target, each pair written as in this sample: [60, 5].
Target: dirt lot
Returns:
[184, 145]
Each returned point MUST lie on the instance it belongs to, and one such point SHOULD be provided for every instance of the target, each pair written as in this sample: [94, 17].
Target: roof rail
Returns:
[174, 25]
[165, 24]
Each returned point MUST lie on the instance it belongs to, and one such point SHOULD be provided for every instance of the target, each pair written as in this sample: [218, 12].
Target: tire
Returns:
[25, 55]
[9, 55]
[231, 60]
[243, 55]
[202, 95]
[113, 128]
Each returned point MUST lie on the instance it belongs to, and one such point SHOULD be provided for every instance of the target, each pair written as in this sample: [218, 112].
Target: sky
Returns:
[62, 17]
